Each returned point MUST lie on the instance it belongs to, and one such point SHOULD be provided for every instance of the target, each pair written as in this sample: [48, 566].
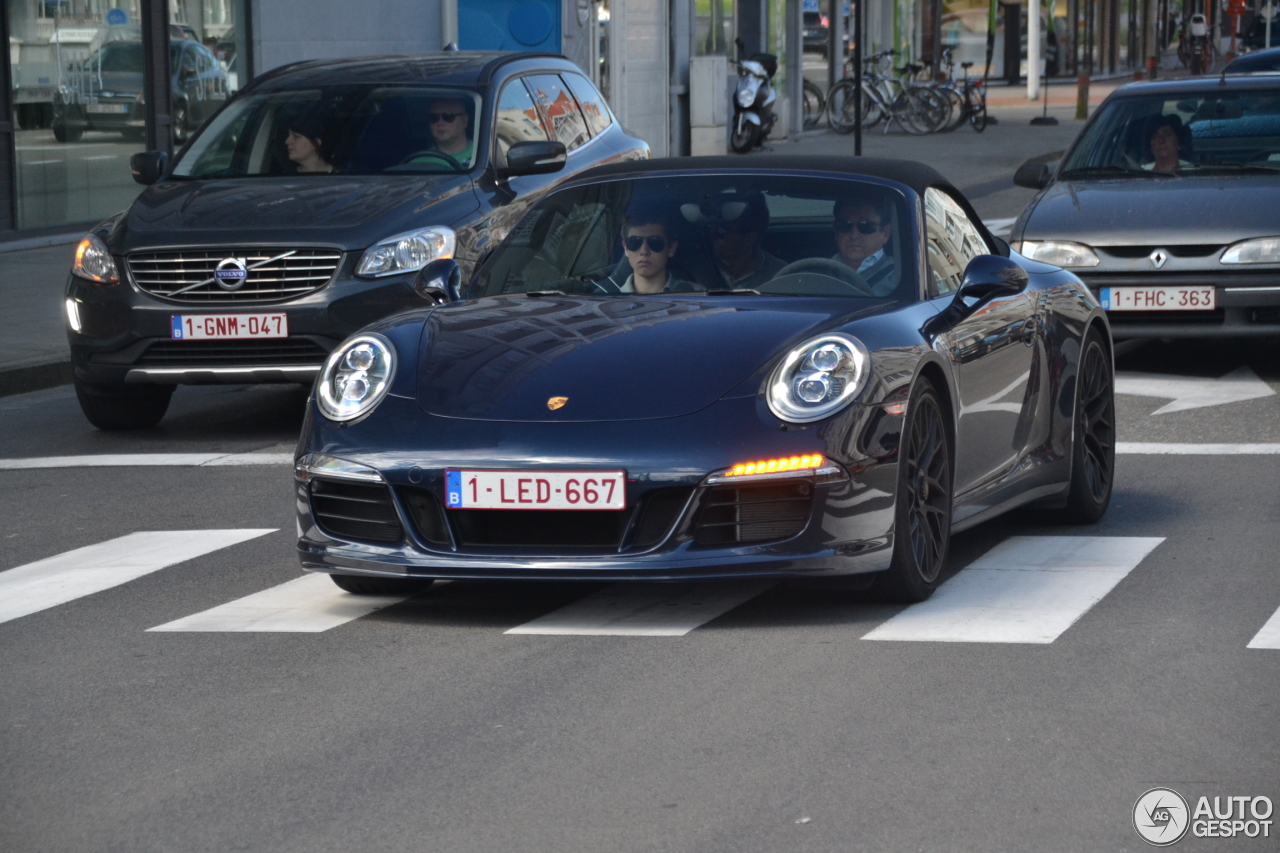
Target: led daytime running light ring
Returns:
[333, 402]
[844, 381]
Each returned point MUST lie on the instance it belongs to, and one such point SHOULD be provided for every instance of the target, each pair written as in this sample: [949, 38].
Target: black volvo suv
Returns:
[304, 208]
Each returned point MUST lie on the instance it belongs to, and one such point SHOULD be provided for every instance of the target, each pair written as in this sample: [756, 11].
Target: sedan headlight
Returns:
[1060, 253]
[1264, 250]
[407, 252]
[818, 377]
[356, 377]
[94, 263]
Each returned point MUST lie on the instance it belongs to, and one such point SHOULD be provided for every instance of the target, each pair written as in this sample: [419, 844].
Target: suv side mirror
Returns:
[1033, 175]
[439, 281]
[534, 158]
[148, 166]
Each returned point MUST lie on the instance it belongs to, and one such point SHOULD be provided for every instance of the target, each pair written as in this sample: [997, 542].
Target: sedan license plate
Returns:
[1158, 298]
[107, 108]
[536, 489]
[206, 327]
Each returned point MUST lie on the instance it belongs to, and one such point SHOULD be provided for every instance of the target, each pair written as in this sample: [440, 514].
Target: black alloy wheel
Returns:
[359, 585]
[922, 511]
[1093, 450]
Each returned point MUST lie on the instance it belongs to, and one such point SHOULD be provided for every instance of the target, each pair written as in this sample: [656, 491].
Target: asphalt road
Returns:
[774, 726]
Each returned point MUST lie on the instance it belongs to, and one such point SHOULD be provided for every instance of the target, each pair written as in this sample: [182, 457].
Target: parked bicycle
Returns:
[968, 97]
[915, 109]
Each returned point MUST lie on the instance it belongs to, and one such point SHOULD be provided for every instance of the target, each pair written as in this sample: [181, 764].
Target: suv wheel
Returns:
[114, 407]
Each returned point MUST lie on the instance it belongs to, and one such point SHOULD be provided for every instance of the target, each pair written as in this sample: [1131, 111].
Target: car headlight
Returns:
[407, 252]
[356, 377]
[1060, 253]
[94, 263]
[1264, 250]
[818, 377]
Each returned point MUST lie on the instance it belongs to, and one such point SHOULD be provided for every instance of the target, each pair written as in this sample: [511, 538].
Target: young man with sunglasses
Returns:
[448, 120]
[649, 244]
[735, 241]
[862, 229]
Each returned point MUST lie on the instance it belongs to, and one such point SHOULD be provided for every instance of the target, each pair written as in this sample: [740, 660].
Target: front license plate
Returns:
[107, 108]
[206, 327]
[1158, 298]
[536, 489]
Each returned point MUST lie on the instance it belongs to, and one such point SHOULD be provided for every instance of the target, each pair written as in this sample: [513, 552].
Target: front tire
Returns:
[922, 510]
[746, 139]
[1093, 446]
[113, 408]
[359, 585]
[64, 132]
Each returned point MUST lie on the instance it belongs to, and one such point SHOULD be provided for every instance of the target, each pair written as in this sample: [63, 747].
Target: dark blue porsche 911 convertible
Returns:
[804, 368]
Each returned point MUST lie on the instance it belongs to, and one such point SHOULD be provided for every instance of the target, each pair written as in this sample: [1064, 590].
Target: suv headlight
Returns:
[1060, 253]
[94, 263]
[818, 377]
[1264, 250]
[407, 252]
[356, 377]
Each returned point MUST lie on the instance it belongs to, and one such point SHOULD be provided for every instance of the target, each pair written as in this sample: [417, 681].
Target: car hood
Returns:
[1146, 212]
[506, 358]
[351, 212]
[119, 82]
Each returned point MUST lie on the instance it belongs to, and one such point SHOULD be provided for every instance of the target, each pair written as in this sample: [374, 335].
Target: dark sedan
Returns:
[1166, 206]
[105, 91]
[303, 209]
[612, 395]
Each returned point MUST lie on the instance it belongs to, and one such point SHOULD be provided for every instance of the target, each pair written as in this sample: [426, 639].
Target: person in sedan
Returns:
[305, 144]
[1165, 136]
[450, 128]
[736, 244]
[862, 231]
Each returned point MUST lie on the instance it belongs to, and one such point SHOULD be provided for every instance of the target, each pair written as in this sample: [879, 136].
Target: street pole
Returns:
[857, 77]
[1033, 49]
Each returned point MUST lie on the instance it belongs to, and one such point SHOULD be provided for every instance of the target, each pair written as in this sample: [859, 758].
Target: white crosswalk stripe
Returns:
[646, 610]
[308, 604]
[56, 580]
[1027, 589]
[1269, 636]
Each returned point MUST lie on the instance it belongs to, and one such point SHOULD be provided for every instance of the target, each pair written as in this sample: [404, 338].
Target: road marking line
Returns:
[56, 580]
[1269, 635]
[1027, 589]
[1194, 392]
[127, 460]
[104, 157]
[1152, 447]
[645, 610]
[309, 604]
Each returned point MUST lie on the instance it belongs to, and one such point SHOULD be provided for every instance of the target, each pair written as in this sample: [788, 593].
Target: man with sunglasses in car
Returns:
[648, 241]
[862, 230]
[449, 123]
[735, 242]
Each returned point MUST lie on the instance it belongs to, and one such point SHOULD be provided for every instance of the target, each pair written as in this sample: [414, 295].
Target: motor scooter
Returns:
[1197, 33]
[753, 99]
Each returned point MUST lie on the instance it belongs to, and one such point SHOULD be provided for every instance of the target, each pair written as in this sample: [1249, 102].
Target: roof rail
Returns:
[486, 73]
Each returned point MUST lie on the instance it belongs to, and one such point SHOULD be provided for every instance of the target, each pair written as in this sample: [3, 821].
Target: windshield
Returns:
[348, 130]
[124, 56]
[1181, 134]
[716, 234]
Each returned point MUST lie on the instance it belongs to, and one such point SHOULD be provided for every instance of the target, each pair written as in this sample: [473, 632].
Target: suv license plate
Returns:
[117, 109]
[536, 489]
[207, 327]
[1158, 298]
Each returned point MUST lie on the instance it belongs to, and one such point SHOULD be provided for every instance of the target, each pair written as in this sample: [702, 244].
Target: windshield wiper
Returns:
[724, 292]
[1090, 171]
[544, 293]
[1236, 167]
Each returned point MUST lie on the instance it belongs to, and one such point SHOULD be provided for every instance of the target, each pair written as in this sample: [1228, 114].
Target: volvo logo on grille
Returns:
[230, 273]
[1158, 257]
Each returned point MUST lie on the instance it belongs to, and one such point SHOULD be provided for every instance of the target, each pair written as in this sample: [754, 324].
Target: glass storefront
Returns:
[78, 104]
[713, 28]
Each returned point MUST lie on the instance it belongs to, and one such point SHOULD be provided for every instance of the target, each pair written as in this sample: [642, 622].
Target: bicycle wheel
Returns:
[814, 104]
[957, 108]
[840, 109]
[978, 111]
[923, 111]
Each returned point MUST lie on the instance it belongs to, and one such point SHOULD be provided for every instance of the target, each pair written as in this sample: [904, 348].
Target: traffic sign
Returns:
[117, 17]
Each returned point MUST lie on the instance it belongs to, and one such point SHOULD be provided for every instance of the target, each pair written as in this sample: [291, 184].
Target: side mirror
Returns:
[534, 158]
[1033, 175]
[990, 277]
[439, 281]
[148, 166]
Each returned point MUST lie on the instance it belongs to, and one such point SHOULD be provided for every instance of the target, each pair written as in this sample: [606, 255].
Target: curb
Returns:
[20, 380]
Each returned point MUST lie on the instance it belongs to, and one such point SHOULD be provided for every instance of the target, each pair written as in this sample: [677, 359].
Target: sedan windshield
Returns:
[1209, 133]
[714, 235]
[341, 130]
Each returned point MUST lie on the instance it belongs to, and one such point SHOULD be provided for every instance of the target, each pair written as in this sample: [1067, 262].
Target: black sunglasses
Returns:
[656, 243]
[435, 117]
[864, 226]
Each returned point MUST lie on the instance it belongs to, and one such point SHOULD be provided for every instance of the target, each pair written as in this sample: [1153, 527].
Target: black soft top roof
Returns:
[450, 68]
[915, 175]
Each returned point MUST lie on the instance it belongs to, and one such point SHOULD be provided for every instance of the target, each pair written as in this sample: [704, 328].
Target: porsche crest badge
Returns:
[556, 402]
